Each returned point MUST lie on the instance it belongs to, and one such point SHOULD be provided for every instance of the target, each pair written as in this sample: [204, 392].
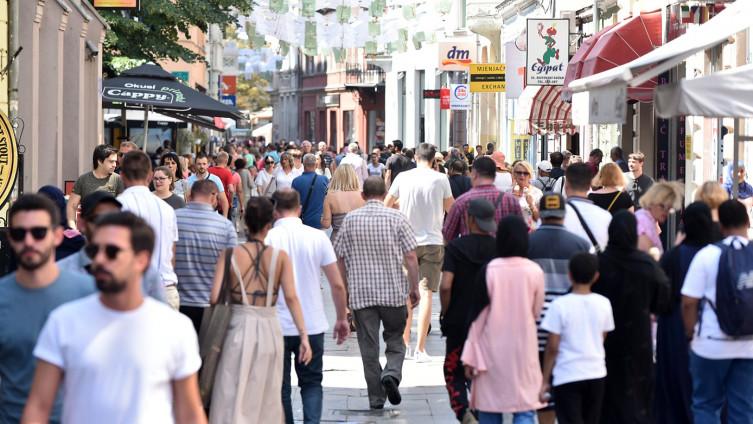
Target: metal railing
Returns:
[357, 74]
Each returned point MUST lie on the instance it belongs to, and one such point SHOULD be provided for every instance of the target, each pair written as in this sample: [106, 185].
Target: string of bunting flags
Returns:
[322, 26]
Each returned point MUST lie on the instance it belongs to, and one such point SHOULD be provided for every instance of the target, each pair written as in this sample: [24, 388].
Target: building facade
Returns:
[59, 75]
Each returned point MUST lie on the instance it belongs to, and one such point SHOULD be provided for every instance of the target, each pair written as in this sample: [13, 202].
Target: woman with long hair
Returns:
[662, 199]
[713, 194]
[175, 164]
[343, 196]
[611, 195]
[526, 192]
[501, 351]
[163, 187]
[673, 384]
[636, 287]
[286, 173]
[248, 382]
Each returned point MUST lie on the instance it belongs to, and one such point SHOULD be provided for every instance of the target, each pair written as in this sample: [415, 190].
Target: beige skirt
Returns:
[248, 384]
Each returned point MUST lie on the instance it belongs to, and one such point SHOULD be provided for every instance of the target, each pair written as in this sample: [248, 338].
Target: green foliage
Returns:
[253, 94]
[152, 33]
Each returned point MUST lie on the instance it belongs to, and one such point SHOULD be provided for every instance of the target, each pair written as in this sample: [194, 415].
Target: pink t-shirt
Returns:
[647, 226]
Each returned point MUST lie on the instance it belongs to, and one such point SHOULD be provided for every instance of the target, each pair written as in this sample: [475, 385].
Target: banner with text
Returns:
[488, 78]
[460, 97]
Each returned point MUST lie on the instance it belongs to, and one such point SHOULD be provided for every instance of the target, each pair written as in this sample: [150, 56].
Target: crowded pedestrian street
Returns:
[376, 211]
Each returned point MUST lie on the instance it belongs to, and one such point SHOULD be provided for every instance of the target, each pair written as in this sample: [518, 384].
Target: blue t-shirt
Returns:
[312, 211]
[23, 312]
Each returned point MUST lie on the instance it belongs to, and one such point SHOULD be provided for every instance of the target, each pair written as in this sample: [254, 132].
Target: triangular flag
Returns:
[308, 8]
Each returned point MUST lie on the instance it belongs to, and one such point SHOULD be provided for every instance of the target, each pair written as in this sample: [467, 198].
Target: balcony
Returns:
[360, 76]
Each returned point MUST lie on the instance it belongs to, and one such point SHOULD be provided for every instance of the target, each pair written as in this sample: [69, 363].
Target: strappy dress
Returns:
[249, 376]
[337, 222]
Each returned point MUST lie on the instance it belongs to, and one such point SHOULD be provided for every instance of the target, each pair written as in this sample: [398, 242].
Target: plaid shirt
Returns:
[373, 241]
[454, 224]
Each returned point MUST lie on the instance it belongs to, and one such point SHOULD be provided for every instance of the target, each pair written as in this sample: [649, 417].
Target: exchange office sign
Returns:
[143, 93]
[487, 78]
[547, 55]
[8, 158]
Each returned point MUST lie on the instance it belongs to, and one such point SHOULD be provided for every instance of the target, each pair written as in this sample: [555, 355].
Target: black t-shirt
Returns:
[464, 257]
[637, 186]
[459, 184]
[618, 201]
[398, 163]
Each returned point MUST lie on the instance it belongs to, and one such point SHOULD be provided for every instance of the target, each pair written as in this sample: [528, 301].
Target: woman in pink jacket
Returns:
[501, 352]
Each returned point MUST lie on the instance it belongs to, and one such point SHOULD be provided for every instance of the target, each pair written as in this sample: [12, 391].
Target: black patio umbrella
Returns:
[151, 88]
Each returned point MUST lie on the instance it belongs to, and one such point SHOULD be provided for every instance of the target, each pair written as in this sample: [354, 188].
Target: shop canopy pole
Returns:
[146, 126]
[735, 157]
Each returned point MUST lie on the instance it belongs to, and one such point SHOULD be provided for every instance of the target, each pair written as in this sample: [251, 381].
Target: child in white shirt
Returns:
[577, 324]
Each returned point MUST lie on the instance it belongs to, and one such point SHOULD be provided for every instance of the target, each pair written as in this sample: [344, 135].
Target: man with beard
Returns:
[92, 207]
[29, 295]
[118, 365]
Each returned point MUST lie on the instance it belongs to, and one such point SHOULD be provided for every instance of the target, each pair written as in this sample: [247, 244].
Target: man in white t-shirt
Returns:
[136, 172]
[424, 196]
[577, 323]
[592, 218]
[721, 367]
[311, 253]
[356, 161]
[120, 357]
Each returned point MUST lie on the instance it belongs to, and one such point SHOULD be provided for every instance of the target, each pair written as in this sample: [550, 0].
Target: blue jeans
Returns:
[718, 380]
[309, 379]
[527, 417]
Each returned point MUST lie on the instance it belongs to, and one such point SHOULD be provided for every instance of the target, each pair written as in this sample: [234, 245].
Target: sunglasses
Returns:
[522, 173]
[19, 234]
[270, 163]
[111, 251]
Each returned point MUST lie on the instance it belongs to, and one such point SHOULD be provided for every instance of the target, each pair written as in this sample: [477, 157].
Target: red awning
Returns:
[628, 40]
[575, 66]
[545, 111]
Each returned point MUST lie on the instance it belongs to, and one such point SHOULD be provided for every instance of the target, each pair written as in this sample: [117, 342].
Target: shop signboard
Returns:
[116, 4]
[488, 78]
[456, 55]
[547, 56]
[444, 98]
[229, 85]
[460, 97]
[229, 100]
[602, 105]
[9, 161]
[521, 147]
[432, 94]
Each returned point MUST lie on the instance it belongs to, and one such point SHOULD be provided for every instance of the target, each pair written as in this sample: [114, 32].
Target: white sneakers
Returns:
[422, 357]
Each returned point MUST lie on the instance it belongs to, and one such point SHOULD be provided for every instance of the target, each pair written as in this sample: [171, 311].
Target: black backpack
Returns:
[734, 290]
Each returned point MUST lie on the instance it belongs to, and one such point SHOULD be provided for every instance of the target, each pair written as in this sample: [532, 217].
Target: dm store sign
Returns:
[456, 56]
[547, 55]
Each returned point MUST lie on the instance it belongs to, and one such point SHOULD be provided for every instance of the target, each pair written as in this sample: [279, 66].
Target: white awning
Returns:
[734, 18]
[137, 115]
[724, 94]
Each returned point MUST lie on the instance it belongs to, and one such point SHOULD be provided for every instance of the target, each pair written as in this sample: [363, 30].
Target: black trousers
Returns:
[579, 402]
[454, 376]
[195, 313]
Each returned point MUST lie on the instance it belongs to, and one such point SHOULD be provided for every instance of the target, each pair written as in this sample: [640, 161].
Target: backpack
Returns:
[734, 290]
[548, 186]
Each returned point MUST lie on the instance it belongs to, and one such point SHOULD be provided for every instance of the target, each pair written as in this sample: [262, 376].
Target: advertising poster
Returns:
[547, 56]
[460, 97]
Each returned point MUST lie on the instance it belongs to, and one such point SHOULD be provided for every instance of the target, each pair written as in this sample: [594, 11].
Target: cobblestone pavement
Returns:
[345, 401]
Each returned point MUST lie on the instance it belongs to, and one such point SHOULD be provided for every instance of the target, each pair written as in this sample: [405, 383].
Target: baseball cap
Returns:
[91, 201]
[499, 159]
[545, 166]
[552, 205]
[483, 211]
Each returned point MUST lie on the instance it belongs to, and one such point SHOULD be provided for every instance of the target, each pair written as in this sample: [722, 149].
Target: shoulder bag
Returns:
[308, 195]
[214, 325]
[583, 224]
[609, 208]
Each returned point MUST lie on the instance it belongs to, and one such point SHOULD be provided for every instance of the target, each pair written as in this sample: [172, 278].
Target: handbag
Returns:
[214, 325]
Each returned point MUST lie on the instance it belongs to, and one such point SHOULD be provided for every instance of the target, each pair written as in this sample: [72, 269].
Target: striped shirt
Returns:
[203, 235]
[161, 217]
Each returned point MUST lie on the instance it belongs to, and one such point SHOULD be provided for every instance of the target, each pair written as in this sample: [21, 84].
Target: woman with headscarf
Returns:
[636, 287]
[501, 351]
[673, 385]
[73, 241]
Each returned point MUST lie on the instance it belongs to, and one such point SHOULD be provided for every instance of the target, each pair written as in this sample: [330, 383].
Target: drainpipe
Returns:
[14, 44]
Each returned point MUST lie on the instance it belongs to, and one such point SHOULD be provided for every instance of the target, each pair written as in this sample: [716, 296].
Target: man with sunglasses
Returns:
[28, 295]
[101, 177]
[92, 207]
[119, 357]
